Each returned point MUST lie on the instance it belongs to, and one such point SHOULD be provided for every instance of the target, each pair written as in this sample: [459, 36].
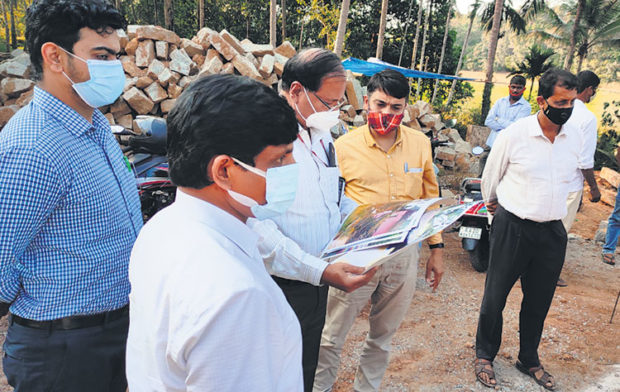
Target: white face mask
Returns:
[320, 121]
[280, 190]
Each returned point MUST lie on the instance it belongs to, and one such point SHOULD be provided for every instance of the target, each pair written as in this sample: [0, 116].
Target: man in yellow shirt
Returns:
[380, 162]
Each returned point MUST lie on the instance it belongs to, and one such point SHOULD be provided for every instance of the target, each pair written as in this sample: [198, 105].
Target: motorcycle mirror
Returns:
[117, 129]
[450, 123]
[477, 150]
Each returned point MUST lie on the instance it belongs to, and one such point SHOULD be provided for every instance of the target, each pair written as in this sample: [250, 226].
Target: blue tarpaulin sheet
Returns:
[370, 68]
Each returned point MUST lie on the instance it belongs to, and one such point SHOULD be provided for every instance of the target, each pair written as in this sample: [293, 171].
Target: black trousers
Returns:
[309, 303]
[533, 252]
[78, 360]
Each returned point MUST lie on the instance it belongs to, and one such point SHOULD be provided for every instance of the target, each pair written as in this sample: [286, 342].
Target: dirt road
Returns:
[434, 348]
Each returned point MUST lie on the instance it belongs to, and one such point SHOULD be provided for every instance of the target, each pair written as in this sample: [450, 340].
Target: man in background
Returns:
[69, 208]
[585, 121]
[507, 109]
[381, 162]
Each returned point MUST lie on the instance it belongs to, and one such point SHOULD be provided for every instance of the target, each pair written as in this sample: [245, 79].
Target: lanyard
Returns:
[315, 156]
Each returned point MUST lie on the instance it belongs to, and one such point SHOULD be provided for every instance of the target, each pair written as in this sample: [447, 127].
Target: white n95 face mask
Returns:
[106, 83]
[280, 191]
[320, 121]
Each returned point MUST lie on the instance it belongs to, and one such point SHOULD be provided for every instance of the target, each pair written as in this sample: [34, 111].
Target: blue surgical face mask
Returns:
[106, 83]
[280, 191]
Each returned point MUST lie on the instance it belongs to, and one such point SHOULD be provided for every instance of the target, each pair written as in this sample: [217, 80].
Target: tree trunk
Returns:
[7, 34]
[443, 51]
[402, 45]
[342, 27]
[272, 23]
[531, 89]
[580, 63]
[301, 35]
[414, 54]
[460, 63]
[13, 31]
[568, 61]
[283, 5]
[117, 4]
[168, 15]
[201, 14]
[384, 7]
[488, 81]
[430, 8]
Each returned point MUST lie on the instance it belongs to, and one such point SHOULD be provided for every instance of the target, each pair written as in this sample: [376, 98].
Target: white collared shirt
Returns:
[585, 121]
[527, 174]
[205, 315]
[504, 113]
[291, 243]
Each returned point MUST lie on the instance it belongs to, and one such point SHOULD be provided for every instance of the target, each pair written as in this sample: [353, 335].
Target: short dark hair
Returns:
[518, 79]
[391, 82]
[224, 114]
[556, 77]
[587, 79]
[309, 67]
[60, 21]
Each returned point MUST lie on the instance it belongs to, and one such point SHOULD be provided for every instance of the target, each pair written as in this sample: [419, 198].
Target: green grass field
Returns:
[607, 92]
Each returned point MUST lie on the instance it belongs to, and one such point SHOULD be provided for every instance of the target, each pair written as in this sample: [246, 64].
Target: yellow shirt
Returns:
[404, 172]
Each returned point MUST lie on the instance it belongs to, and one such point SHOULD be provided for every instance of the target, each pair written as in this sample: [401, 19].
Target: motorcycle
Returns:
[474, 228]
[146, 156]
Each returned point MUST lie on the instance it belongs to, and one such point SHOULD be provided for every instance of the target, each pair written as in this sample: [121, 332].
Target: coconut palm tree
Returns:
[168, 15]
[535, 64]
[421, 67]
[342, 27]
[417, 35]
[443, 49]
[383, 20]
[600, 25]
[472, 16]
[488, 82]
[568, 62]
[272, 23]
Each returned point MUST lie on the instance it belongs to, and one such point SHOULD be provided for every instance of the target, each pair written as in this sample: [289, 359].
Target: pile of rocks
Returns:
[158, 66]
[15, 87]
[610, 181]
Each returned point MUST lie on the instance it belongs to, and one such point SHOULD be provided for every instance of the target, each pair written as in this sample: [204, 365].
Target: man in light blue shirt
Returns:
[508, 109]
[69, 208]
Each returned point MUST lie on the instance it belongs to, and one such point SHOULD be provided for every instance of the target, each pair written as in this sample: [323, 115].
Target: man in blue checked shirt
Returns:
[69, 208]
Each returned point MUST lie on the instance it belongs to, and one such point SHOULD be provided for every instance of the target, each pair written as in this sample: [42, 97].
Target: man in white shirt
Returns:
[525, 186]
[205, 315]
[508, 109]
[585, 121]
[313, 83]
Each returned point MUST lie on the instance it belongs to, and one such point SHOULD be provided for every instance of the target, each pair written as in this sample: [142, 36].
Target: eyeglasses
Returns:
[329, 107]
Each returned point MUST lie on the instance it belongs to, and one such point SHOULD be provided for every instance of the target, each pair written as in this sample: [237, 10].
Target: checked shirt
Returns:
[69, 213]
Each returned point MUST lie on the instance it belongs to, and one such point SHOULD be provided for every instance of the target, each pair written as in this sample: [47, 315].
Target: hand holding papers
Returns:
[374, 233]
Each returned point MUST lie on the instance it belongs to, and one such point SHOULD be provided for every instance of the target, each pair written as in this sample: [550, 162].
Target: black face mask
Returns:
[558, 116]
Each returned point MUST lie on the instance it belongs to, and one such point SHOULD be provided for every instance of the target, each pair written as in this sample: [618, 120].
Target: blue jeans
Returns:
[79, 360]
[613, 228]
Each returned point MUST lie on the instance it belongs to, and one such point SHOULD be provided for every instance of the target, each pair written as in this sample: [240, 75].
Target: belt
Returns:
[72, 322]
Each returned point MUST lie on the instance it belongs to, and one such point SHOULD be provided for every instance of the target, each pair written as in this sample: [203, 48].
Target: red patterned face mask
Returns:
[384, 123]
